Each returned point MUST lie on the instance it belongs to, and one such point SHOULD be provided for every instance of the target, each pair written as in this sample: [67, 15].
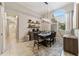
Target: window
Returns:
[59, 15]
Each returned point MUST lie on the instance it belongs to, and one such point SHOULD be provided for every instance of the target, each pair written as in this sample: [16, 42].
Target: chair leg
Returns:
[46, 42]
[33, 46]
[38, 45]
[50, 43]
[54, 40]
[34, 43]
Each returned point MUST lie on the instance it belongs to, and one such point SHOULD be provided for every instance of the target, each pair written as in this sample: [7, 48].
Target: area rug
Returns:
[54, 50]
[27, 49]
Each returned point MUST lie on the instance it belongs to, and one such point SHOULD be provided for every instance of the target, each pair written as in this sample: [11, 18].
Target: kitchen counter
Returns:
[70, 44]
[70, 36]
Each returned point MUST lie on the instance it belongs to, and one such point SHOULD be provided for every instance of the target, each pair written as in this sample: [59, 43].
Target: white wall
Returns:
[23, 21]
[23, 25]
[2, 28]
[45, 26]
[75, 18]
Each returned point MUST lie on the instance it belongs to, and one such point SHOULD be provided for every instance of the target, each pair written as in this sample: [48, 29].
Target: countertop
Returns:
[70, 36]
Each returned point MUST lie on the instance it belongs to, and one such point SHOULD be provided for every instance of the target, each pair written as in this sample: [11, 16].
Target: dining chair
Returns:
[36, 39]
[51, 39]
[37, 29]
[33, 30]
[53, 36]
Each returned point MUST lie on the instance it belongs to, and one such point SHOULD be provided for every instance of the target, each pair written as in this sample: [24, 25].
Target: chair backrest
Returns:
[53, 34]
[35, 36]
[33, 30]
[37, 29]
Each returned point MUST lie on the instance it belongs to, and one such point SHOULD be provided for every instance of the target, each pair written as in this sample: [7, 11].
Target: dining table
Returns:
[44, 36]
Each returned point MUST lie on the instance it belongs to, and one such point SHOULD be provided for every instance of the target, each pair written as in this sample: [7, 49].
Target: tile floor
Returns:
[26, 49]
[66, 54]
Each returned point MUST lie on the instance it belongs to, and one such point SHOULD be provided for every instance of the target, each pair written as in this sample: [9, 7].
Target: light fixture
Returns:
[46, 19]
[46, 3]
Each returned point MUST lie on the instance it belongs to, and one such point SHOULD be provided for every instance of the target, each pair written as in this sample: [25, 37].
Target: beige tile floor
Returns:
[23, 49]
[66, 54]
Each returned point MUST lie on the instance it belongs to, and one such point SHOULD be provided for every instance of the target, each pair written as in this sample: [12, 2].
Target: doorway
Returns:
[1, 35]
[11, 32]
[1, 26]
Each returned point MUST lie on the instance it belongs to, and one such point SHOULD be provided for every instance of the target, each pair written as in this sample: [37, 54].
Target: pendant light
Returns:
[46, 19]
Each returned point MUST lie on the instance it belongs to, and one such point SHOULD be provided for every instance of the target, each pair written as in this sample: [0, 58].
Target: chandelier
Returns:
[46, 19]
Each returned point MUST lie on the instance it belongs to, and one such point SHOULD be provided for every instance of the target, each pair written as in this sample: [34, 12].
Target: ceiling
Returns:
[41, 6]
[35, 7]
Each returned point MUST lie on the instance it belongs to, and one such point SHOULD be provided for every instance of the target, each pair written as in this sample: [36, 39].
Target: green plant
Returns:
[62, 26]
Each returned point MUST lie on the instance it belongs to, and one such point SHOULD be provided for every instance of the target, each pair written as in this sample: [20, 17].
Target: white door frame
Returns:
[17, 26]
[1, 27]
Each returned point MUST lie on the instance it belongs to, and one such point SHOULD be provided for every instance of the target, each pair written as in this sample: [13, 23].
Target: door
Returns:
[66, 44]
[11, 32]
[1, 32]
[1, 35]
[75, 45]
[70, 45]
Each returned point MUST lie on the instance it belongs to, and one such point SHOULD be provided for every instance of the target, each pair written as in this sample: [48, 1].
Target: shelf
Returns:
[33, 24]
[33, 27]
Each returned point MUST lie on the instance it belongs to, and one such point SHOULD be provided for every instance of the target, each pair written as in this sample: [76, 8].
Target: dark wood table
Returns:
[44, 36]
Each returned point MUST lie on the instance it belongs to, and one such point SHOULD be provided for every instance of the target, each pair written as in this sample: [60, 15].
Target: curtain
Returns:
[69, 21]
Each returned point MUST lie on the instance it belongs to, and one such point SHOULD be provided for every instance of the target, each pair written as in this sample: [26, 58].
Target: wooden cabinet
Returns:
[75, 46]
[71, 45]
